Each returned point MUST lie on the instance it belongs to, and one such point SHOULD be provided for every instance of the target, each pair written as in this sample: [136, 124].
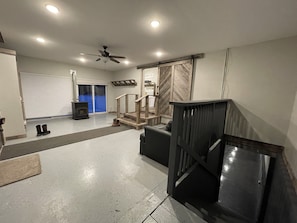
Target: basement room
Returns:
[148, 111]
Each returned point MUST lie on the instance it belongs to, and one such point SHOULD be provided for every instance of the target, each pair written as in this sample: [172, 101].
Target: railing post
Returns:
[146, 106]
[138, 112]
[118, 108]
[174, 151]
[126, 103]
[136, 97]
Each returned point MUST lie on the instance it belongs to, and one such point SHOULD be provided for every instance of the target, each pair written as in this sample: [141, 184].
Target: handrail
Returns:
[120, 96]
[139, 99]
[138, 106]
[124, 95]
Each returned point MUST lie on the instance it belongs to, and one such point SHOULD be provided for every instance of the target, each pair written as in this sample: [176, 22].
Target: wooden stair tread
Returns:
[132, 122]
[132, 115]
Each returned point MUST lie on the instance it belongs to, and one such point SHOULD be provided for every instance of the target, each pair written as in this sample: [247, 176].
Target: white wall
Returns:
[10, 99]
[208, 76]
[131, 73]
[84, 74]
[262, 81]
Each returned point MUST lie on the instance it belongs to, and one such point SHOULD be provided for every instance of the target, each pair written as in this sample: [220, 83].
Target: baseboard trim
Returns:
[16, 137]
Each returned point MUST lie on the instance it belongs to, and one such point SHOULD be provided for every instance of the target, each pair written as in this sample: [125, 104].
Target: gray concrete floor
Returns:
[99, 180]
[64, 125]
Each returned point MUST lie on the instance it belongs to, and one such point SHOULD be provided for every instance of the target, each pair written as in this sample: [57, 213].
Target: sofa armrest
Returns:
[156, 144]
[142, 142]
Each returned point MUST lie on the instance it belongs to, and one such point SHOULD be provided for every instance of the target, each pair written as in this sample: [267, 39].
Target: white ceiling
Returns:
[186, 27]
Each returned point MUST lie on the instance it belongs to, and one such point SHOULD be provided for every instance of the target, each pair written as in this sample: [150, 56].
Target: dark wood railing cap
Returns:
[193, 103]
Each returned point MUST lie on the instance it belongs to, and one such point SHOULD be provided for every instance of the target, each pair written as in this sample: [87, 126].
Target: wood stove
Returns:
[80, 110]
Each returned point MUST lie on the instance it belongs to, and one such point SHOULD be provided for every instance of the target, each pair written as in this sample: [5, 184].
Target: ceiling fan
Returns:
[104, 55]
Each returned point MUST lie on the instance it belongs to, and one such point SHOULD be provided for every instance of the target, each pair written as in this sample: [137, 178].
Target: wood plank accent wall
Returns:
[182, 80]
[165, 90]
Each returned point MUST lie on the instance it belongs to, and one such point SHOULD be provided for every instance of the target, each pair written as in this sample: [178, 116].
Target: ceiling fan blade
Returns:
[120, 57]
[98, 59]
[90, 54]
[114, 60]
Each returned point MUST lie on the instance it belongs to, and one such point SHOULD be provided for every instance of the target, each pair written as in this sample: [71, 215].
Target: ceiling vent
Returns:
[1, 38]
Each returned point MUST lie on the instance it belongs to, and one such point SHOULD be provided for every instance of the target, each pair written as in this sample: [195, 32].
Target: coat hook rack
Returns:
[130, 82]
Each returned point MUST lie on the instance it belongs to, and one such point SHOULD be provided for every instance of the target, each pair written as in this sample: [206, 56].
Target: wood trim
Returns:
[191, 79]
[157, 64]
[175, 63]
[16, 137]
[7, 51]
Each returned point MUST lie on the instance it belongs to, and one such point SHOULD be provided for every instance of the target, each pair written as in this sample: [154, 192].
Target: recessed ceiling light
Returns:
[126, 62]
[159, 54]
[83, 60]
[155, 24]
[52, 9]
[39, 39]
[82, 54]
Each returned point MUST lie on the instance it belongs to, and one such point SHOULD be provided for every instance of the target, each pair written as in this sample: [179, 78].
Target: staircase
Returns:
[141, 116]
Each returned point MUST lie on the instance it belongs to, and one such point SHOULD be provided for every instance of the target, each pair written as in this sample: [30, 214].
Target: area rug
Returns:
[21, 149]
[17, 169]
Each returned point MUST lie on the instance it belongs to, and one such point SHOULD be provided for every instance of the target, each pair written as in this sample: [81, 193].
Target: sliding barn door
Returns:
[174, 85]
[165, 90]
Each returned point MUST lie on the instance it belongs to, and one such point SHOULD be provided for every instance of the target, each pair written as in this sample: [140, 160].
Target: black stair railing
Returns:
[197, 139]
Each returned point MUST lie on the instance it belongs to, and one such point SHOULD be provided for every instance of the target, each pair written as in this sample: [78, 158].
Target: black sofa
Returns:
[155, 143]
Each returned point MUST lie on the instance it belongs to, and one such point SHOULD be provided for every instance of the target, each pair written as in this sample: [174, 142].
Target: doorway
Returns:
[95, 95]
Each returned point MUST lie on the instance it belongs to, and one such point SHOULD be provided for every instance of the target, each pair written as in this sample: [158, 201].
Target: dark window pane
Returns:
[100, 98]
[85, 95]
